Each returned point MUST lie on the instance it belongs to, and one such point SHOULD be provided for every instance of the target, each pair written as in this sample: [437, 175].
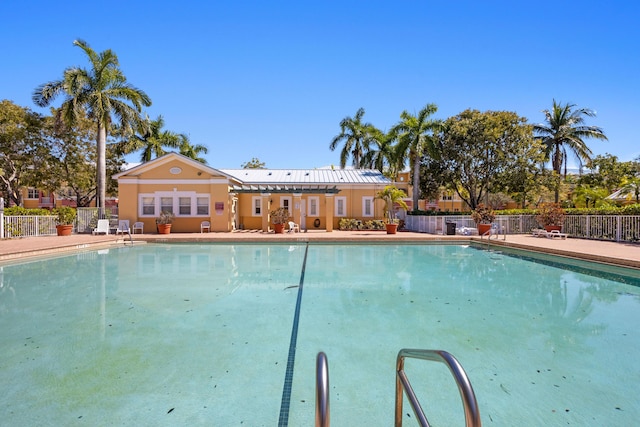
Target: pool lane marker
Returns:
[288, 378]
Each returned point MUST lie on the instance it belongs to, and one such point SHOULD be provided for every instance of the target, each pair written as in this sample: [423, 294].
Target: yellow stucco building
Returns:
[233, 199]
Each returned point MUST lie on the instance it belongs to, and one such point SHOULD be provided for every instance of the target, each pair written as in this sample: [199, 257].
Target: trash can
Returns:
[451, 228]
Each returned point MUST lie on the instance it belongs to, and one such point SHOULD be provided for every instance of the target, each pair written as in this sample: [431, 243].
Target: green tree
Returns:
[24, 149]
[479, 151]
[254, 163]
[417, 135]
[357, 137]
[73, 173]
[564, 131]
[103, 93]
[151, 141]
[631, 188]
[192, 151]
[588, 196]
[607, 172]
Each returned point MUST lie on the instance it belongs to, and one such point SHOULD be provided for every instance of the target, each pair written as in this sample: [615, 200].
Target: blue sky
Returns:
[272, 80]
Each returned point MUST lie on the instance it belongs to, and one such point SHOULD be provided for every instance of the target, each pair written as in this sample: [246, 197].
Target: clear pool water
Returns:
[168, 335]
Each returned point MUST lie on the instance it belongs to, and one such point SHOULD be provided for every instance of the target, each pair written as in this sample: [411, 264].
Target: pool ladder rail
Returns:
[469, 402]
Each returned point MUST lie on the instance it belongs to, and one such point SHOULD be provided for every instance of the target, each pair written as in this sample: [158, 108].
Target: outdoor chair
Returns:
[205, 225]
[123, 227]
[293, 227]
[138, 226]
[102, 227]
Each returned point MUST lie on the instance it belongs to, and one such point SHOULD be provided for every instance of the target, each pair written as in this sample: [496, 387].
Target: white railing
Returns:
[45, 225]
[618, 228]
[28, 225]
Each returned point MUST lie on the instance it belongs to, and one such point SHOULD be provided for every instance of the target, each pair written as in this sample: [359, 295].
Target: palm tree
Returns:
[103, 94]
[416, 138]
[153, 141]
[383, 156]
[631, 188]
[357, 138]
[564, 130]
[192, 151]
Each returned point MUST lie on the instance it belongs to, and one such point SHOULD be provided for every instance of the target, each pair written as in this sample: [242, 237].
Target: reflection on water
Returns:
[206, 328]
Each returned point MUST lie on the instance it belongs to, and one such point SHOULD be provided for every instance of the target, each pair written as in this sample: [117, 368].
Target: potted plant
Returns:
[391, 196]
[279, 218]
[550, 216]
[163, 222]
[483, 216]
[65, 217]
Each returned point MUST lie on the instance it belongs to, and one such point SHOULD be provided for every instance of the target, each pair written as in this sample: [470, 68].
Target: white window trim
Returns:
[253, 205]
[317, 200]
[175, 197]
[364, 207]
[290, 206]
[30, 190]
[344, 206]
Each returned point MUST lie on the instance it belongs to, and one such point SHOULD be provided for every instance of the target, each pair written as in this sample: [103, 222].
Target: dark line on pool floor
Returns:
[288, 378]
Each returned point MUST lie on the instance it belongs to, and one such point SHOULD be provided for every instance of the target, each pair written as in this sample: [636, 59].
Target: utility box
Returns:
[451, 228]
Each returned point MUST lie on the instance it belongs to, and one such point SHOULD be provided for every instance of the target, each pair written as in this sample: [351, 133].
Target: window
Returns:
[33, 193]
[149, 206]
[182, 203]
[367, 206]
[341, 206]
[257, 205]
[446, 196]
[202, 206]
[314, 203]
[166, 204]
[285, 202]
[185, 205]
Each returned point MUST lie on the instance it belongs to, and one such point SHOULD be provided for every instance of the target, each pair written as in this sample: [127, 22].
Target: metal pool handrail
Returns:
[471, 411]
[322, 391]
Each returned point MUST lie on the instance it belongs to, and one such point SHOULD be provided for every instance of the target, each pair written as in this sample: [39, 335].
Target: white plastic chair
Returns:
[123, 227]
[102, 227]
[293, 227]
[138, 226]
[205, 225]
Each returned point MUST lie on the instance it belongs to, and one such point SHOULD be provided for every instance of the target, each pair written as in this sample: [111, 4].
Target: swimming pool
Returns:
[201, 335]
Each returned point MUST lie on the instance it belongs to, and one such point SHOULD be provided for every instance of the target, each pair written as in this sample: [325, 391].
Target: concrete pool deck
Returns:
[622, 254]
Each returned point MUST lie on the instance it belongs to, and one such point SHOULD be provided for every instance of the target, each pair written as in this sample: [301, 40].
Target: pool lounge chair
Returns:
[539, 232]
[102, 227]
[556, 234]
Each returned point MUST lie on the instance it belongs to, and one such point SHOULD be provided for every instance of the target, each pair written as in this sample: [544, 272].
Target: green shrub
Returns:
[20, 211]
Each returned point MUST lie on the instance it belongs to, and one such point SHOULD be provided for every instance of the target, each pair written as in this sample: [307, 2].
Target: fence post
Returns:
[1, 217]
[618, 227]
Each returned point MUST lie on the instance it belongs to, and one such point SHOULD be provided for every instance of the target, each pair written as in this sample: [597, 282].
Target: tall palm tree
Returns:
[192, 151]
[416, 138]
[381, 155]
[564, 131]
[152, 141]
[357, 137]
[103, 94]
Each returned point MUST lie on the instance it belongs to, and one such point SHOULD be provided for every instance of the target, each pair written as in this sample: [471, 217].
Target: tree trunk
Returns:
[101, 167]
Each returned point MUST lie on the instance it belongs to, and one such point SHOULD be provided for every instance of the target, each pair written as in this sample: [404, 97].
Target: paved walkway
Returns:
[624, 254]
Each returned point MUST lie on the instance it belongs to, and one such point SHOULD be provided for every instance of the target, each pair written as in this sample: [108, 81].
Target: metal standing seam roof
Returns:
[307, 176]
